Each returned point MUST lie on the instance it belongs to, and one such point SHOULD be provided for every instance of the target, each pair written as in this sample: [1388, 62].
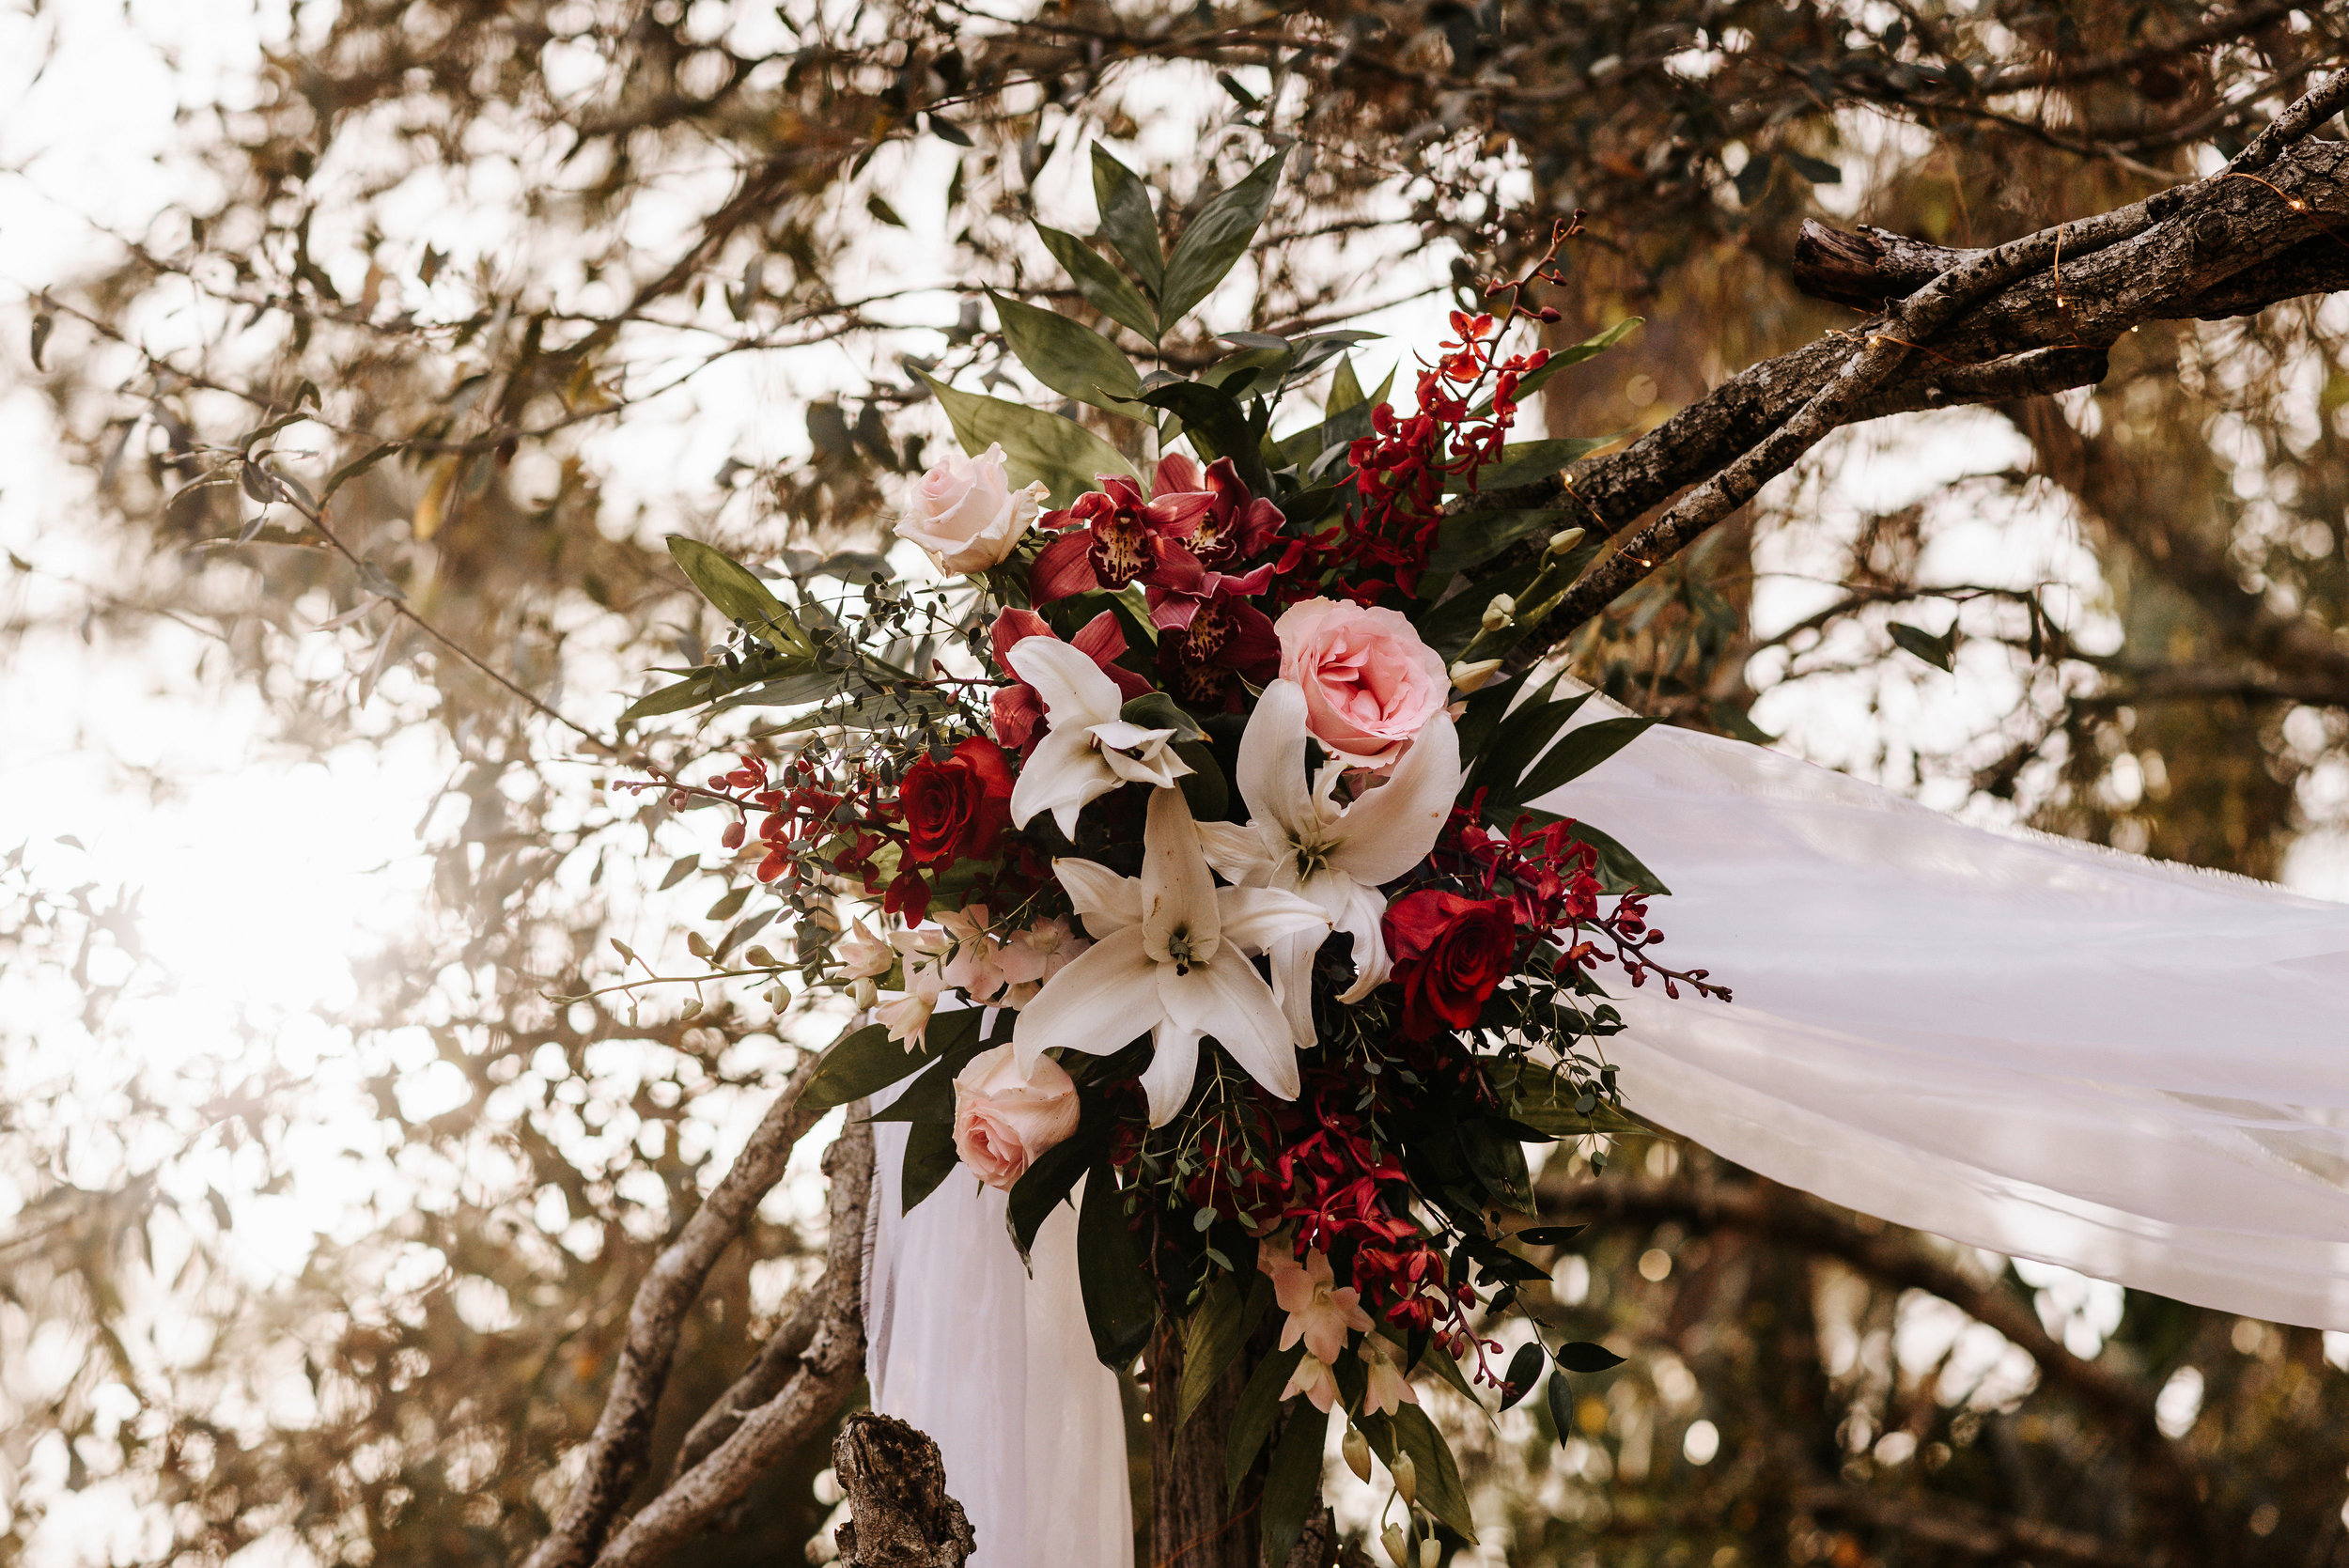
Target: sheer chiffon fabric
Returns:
[998, 1367]
[2136, 1070]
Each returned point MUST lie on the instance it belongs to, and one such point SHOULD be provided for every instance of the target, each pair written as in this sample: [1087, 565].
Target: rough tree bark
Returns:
[899, 1512]
[2023, 319]
[1191, 1523]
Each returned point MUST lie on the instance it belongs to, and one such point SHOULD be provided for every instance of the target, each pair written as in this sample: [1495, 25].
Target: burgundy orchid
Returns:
[1115, 535]
[1018, 710]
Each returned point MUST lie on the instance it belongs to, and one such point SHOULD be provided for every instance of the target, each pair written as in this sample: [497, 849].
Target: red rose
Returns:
[1450, 954]
[955, 808]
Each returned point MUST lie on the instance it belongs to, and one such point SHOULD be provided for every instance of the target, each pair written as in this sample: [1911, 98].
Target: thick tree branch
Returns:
[2077, 286]
[617, 1449]
[827, 1373]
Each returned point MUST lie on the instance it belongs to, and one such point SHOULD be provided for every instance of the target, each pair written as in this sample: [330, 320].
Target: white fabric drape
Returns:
[998, 1368]
[2135, 1070]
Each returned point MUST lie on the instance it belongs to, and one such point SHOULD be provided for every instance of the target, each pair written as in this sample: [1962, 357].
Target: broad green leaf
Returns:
[1292, 1482]
[1046, 1185]
[1472, 538]
[869, 1060]
[1541, 1098]
[691, 691]
[1619, 870]
[1217, 425]
[1345, 390]
[1517, 743]
[1577, 752]
[1439, 1490]
[1099, 281]
[1120, 1304]
[1338, 430]
[930, 1158]
[737, 592]
[1212, 1337]
[1067, 356]
[1582, 1355]
[1036, 445]
[1127, 221]
[1155, 710]
[679, 871]
[1560, 358]
[1205, 788]
[1216, 239]
[1259, 1408]
[1526, 462]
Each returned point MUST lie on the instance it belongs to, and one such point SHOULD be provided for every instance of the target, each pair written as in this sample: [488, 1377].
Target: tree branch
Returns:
[2077, 286]
[617, 1449]
[826, 1376]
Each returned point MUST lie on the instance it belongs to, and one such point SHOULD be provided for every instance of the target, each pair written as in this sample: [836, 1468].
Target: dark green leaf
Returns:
[1036, 445]
[1127, 222]
[1346, 389]
[1292, 1482]
[930, 1158]
[869, 1060]
[1155, 710]
[691, 691]
[1439, 1489]
[1524, 1367]
[1259, 1408]
[1472, 538]
[1547, 1235]
[1560, 358]
[1940, 652]
[1577, 752]
[1070, 358]
[679, 870]
[1560, 1396]
[1518, 743]
[1216, 239]
[1218, 1326]
[1526, 462]
[1099, 281]
[1045, 1187]
[1216, 425]
[1582, 1355]
[1120, 1306]
[1205, 788]
[728, 902]
[352, 469]
[1754, 177]
[947, 131]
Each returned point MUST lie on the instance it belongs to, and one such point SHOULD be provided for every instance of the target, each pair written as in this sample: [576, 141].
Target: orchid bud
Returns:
[1398, 1548]
[1472, 675]
[778, 995]
[1499, 611]
[697, 944]
[1357, 1451]
[1565, 539]
[1430, 1552]
[863, 994]
[1406, 1477]
[759, 958]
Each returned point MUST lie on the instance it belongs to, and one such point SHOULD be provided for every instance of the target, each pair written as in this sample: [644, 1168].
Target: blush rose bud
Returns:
[1005, 1122]
[965, 514]
[1357, 1451]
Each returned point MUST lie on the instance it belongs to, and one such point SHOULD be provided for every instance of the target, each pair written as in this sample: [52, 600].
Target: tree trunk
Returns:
[1191, 1524]
[899, 1514]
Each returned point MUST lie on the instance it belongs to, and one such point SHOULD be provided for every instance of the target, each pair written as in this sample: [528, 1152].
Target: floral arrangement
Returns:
[1181, 840]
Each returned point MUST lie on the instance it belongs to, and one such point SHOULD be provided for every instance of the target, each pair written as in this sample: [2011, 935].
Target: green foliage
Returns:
[1067, 356]
[1065, 455]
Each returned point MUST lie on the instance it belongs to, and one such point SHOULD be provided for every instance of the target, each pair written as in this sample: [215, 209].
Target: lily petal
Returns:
[1292, 956]
[1177, 890]
[1061, 775]
[1363, 920]
[1271, 768]
[1252, 918]
[1229, 999]
[1075, 693]
[1107, 901]
[1389, 830]
[1174, 1067]
[1107, 996]
[1237, 851]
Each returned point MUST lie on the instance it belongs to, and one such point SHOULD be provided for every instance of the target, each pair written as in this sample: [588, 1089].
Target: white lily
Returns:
[1170, 957]
[1300, 840]
[1090, 751]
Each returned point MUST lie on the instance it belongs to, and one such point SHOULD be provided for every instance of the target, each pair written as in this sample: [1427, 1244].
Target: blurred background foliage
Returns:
[490, 272]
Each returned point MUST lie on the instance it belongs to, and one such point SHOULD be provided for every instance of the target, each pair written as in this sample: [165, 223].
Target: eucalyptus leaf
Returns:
[1036, 445]
[1217, 239]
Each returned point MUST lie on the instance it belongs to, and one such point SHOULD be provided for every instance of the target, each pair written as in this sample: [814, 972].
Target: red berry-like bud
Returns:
[732, 837]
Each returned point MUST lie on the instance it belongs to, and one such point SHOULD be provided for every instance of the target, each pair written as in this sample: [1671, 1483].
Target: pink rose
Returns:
[1004, 1122]
[1370, 683]
[964, 513]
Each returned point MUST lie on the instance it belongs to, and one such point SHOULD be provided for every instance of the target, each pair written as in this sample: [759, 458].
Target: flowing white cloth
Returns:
[998, 1368]
[2135, 1070]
